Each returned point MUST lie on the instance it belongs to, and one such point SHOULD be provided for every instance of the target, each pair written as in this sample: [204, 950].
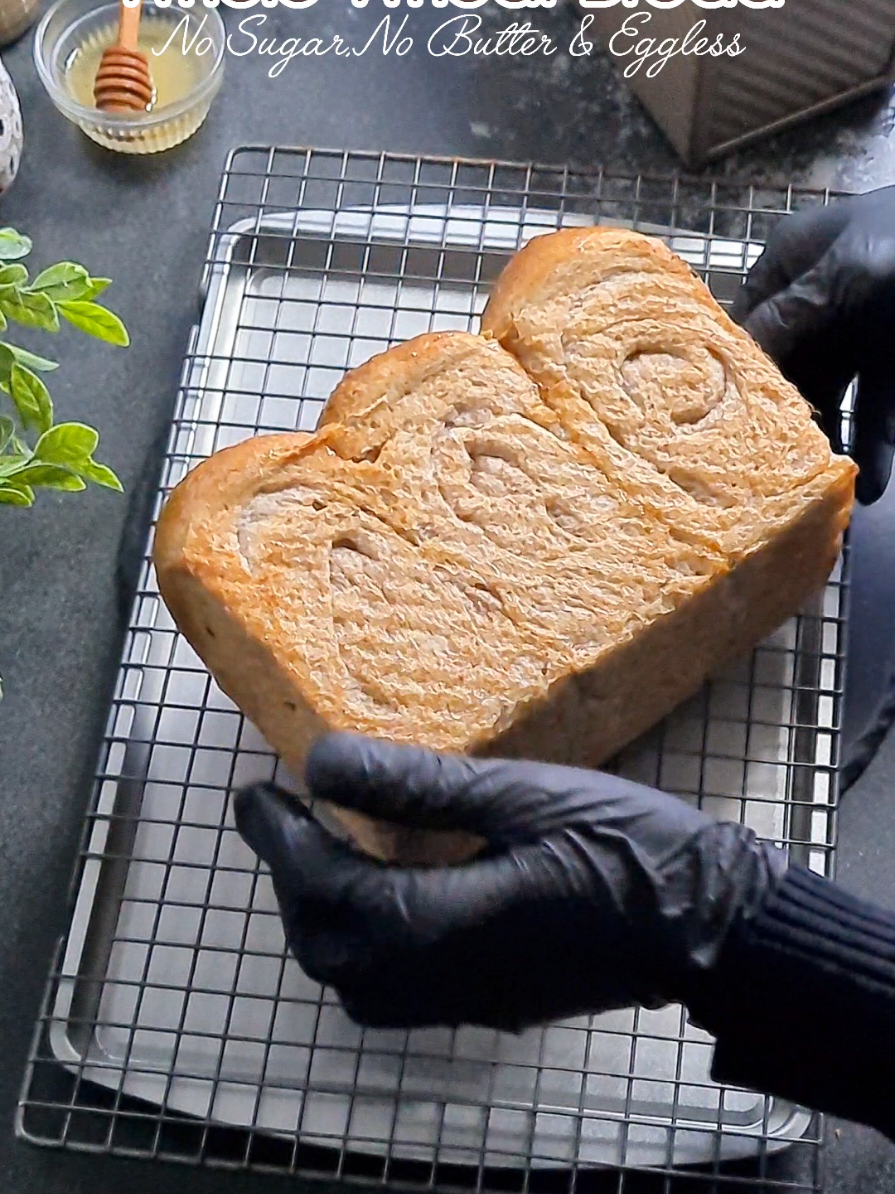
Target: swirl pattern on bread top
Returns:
[532, 542]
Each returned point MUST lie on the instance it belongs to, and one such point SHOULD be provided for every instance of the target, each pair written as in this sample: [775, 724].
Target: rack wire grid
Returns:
[174, 1024]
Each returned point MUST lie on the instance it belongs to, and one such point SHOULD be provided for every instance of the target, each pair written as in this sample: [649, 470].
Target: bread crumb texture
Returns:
[535, 541]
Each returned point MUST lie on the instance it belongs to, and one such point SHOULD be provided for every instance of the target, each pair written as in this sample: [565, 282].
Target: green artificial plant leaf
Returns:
[67, 443]
[50, 476]
[7, 360]
[71, 445]
[13, 245]
[13, 462]
[97, 286]
[13, 275]
[11, 495]
[31, 398]
[31, 309]
[31, 359]
[95, 320]
[100, 474]
[64, 281]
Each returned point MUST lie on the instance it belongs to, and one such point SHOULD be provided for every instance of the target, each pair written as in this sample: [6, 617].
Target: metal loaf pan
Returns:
[800, 60]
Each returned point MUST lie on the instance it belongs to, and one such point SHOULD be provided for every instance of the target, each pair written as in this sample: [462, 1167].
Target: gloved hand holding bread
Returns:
[821, 302]
[596, 893]
[531, 543]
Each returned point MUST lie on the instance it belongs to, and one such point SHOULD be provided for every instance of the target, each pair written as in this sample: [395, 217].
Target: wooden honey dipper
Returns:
[123, 82]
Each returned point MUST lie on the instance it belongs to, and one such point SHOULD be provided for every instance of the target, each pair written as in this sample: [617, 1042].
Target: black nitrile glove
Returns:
[821, 302]
[595, 893]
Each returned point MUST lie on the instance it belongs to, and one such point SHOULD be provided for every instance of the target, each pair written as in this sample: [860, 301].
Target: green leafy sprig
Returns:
[35, 452]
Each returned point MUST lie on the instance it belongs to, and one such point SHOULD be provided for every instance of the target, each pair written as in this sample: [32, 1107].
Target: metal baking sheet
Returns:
[175, 985]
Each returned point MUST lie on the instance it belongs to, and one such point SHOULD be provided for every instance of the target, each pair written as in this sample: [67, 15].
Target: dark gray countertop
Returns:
[144, 223]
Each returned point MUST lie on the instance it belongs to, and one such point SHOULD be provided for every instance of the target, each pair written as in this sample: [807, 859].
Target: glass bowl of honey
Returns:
[184, 48]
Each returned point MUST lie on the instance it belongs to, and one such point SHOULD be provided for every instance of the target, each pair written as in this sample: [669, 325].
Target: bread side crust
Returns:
[587, 717]
[199, 573]
[529, 271]
[367, 392]
[552, 267]
[202, 579]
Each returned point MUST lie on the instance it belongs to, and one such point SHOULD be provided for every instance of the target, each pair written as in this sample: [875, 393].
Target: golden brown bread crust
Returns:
[463, 558]
[533, 269]
[191, 558]
[236, 629]
[612, 324]
[368, 389]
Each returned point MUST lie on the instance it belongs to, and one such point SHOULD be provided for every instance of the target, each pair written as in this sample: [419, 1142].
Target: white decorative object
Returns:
[10, 130]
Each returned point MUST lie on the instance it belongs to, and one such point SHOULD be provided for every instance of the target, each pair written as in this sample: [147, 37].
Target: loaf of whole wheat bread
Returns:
[532, 543]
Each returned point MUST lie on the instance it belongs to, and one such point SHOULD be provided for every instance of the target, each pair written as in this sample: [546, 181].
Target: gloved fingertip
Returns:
[742, 305]
[264, 814]
[404, 784]
[873, 443]
[797, 319]
[377, 777]
[764, 326]
[332, 760]
[871, 485]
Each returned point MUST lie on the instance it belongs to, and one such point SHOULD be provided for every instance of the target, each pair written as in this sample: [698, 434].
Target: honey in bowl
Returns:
[187, 70]
[174, 73]
[185, 55]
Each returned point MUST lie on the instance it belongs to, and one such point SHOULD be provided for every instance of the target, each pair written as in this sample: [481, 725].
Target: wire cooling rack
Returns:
[174, 1025]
